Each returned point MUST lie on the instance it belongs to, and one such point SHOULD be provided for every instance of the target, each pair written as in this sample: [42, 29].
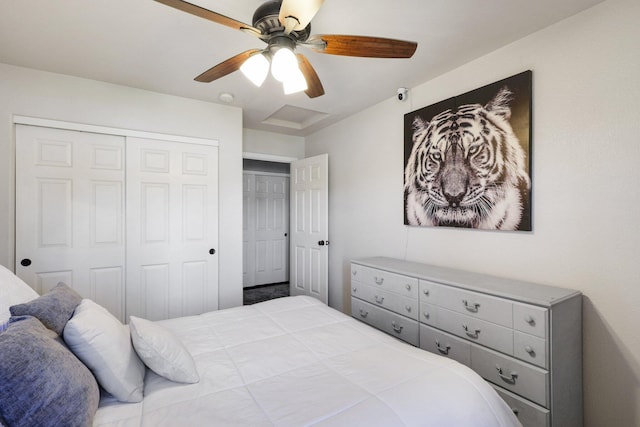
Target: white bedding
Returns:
[296, 362]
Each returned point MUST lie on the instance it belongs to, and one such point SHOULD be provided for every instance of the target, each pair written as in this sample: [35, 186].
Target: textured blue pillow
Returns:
[53, 309]
[42, 382]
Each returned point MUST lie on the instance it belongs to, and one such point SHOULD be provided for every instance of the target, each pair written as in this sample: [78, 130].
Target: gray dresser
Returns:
[523, 338]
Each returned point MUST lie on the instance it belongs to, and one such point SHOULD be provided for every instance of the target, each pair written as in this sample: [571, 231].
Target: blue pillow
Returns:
[43, 383]
[53, 309]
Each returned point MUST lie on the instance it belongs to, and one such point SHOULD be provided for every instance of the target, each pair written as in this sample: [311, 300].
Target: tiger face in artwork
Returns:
[467, 168]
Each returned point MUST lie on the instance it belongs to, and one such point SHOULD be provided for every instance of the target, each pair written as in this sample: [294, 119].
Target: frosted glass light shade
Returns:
[256, 69]
[283, 64]
[295, 83]
[302, 11]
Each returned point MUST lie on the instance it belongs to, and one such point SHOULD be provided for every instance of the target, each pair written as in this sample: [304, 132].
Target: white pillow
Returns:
[162, 351]
[97, 338]
[12, 291]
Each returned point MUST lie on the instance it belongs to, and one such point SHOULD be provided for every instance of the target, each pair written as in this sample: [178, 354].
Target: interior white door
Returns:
[310, 227]
[172, 228]
[70, 212]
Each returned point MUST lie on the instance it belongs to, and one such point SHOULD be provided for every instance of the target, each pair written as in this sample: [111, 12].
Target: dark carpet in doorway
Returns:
[265, 292]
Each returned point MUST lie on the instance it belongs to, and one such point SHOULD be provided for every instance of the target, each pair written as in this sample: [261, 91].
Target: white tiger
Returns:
[467, 169]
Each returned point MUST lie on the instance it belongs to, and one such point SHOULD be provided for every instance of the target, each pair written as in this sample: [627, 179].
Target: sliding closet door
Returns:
[172, 228]
[271, 229]
[70, 212]
[266, 229]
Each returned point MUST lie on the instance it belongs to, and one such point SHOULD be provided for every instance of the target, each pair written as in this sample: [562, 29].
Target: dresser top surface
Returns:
[518, 290]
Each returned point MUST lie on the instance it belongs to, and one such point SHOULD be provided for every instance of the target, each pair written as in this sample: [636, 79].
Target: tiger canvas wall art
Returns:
[468, 159]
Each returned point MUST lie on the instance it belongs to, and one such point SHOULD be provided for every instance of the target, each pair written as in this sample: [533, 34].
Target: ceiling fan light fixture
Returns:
[256, 69]
[295, 83]
[283, 64]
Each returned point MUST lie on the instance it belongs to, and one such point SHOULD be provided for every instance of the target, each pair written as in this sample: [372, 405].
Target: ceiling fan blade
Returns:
[226, 67]
[363, 46]
[210, 15]
[314, 86]
[302, 10]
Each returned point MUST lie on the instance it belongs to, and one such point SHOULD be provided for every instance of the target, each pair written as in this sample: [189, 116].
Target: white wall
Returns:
[273, 144]
[33, 93]
[586, 202]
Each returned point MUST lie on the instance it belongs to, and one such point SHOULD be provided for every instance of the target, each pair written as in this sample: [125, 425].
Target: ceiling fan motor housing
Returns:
[265, 18]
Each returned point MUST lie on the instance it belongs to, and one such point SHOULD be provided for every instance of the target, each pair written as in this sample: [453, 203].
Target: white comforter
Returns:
[296, 362]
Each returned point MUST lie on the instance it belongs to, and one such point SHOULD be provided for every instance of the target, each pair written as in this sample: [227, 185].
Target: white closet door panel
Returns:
[271, 229]
[55, 213]
[69, 211]
[107, 284]
[172, 228]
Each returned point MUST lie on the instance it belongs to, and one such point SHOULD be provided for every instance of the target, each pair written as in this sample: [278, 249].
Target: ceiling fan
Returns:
[283, 25]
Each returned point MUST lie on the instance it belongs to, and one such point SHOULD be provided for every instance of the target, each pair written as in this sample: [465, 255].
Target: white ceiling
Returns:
[147, 45]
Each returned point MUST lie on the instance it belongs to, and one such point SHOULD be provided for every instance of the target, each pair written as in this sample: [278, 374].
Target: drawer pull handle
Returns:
[473, 307]
[444, 350]
[363, 313]
[378, 280]
[355, 289]
[426, 292]
[530, 350]
[473, 333]
[354, 272]
[530, 320]
[408, 287]
[379, 299]
[408, 308]
[397, 328]
[511, 378]
[426, 314]
[516, 411]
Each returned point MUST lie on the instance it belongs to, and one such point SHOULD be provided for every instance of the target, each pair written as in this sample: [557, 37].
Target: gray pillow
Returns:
[53, 309]
[43, 383]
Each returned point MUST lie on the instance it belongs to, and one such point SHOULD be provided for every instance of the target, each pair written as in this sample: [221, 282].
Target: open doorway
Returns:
[265, 230]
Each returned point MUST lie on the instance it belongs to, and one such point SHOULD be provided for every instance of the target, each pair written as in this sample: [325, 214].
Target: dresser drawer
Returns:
[476, 330]
[516, 376]
[528, 413]
[391, 323]
[530, 319]
[530, 349]
[474, 304]
[445, 344]
[397, 283]
[361, 311]
[389, 300]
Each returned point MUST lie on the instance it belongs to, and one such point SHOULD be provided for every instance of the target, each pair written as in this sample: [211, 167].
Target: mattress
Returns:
[296, 362]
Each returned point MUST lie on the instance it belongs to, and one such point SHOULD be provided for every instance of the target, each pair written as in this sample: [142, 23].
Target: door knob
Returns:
[212, 251]
[323, 242]
[25, 262]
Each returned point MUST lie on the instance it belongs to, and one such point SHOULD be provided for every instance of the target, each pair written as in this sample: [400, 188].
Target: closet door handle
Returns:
[25, 262]
[212, 251]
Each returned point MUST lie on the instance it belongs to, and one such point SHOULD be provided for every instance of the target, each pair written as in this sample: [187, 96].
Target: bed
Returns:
[286, 362]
